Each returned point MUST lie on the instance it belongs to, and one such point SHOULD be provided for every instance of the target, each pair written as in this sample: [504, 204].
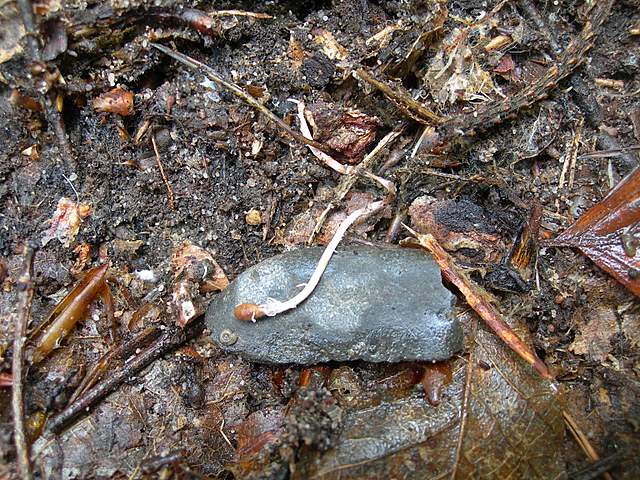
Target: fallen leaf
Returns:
[344, 130]
[194, 262]
[609, 233]
[457, 225]
[24, 101]
[596, 326]
[329, 44]
[65, 223]
[118, 101]
[497, 419]
[72, 308]
[256, 433]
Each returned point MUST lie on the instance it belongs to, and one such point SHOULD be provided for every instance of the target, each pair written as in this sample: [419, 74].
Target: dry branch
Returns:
[24, 286]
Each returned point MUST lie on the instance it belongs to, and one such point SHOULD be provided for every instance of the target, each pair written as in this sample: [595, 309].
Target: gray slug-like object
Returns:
[373, 304]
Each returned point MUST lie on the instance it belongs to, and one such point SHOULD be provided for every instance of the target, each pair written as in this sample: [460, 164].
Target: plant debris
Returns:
[73, 307]
[117, 101]
[192, 146]
[65, 223]
[609, 233]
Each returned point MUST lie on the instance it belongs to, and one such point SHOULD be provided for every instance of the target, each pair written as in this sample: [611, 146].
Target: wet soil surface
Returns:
[235, 185]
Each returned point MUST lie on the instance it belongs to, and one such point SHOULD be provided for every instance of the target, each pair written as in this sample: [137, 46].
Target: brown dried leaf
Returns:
[596, 326]
[24, 101]
[507, 424]
[609, 233]
[259, 430]
[342, 129]
[118, 101]
[329, 44]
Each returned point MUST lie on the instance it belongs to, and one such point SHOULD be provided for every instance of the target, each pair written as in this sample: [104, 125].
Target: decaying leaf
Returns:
[65, 222]
[330, 46]
[455, 74]
[301, 228]
[24, 101]
[596, 327]
[609, 233]
[195, 271]
[344, 130]
[497, 419]
[457, 225]
[118, 101]
[256, 434]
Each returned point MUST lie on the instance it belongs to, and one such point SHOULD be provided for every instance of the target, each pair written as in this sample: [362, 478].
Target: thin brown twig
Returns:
[464, 408]
[24, 285]
[476, 297]
[582, 440]
[53, 116]
[172, 338]
[172, 205]
[240, 93]
[405, 102]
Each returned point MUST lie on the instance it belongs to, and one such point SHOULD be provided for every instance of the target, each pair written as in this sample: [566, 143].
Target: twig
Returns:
[599, 468]
[171, 339]
[574, 151]
[582, 440]
[476, 298]
[172, 205]
[24, 285]
[405, 102]
[238, 92]
[121, 351]
[239, 13]
[54, 118]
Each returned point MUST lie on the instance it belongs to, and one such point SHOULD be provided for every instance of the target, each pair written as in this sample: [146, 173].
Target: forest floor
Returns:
[487, 115]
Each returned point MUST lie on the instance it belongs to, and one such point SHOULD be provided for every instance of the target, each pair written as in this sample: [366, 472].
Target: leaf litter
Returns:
[219, 161]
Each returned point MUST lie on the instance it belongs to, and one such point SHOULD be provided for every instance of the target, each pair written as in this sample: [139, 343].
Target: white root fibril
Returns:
[272, 306]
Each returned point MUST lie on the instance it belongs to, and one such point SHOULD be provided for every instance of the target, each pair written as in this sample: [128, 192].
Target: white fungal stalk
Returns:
[272, 307]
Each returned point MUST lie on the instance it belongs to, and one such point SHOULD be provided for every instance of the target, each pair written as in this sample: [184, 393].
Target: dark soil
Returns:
[223, 159]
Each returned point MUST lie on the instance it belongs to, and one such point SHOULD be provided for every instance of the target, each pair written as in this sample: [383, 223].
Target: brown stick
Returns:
[171, 339]
[24, 286]
[582, 440]
[476, 298]
[405, 102]
[172, 205]
[240, 93]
